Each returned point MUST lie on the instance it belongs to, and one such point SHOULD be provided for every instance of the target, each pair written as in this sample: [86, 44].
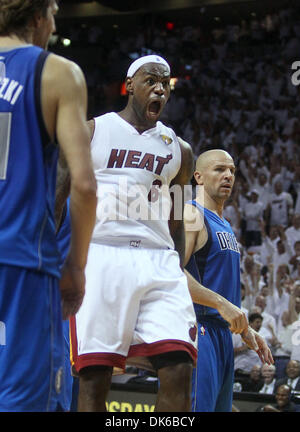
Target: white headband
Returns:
[143, 60]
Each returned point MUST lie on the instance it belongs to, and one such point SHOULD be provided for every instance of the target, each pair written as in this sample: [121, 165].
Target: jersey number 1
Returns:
[5, 127]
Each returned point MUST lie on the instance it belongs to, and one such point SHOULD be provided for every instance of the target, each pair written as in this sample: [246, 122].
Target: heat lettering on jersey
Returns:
[227, 241]
[10, 90]
[134, 159]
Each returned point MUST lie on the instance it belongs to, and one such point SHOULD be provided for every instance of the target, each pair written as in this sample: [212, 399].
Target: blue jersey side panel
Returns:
[27, 167]
[217, 264]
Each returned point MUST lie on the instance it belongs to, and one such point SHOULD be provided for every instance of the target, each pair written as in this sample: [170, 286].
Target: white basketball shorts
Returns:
[136, 305]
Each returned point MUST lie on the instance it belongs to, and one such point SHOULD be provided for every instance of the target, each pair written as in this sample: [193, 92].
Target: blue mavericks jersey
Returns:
[217, 264]
[28, 161]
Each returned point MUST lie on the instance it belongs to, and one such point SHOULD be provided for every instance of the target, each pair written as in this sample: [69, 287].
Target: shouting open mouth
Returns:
[154, 109]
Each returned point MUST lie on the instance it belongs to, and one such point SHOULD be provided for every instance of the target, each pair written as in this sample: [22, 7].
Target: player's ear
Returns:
[36, 21]
[198, 178]
[129, 85]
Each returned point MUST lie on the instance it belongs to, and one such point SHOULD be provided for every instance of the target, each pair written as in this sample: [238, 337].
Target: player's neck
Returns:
[140, 124]
[12, 41]
[210, 203]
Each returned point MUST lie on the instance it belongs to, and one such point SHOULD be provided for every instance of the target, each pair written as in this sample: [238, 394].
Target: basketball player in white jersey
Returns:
[137, 307]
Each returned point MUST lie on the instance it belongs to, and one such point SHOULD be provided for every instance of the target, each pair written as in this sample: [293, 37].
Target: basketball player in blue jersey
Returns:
[42, 99]
[213, 258]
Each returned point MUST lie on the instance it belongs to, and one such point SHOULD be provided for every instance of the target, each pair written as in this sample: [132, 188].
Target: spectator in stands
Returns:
[281, 292]
[254, 211]
[283, 402]
[295, 326]
[268, 246]
[250, 278]
[293, 318]
[296, 183]
[282, 254]
[280, 206]
[263, 188]
[296, 273]
[296, 257]
[294, 303]
[267, 290]
[292, 376]
[268, 375]
[254, 382]
[268, 323]
[282, 352]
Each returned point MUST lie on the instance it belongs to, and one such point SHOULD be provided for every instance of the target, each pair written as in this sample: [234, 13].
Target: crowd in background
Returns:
[233, 90]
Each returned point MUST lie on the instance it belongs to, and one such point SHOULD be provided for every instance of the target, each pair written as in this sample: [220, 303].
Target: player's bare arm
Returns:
[63, 183]
[64, 107]
[232, 314]
[183, 178]
[195, 231]
[195, 239]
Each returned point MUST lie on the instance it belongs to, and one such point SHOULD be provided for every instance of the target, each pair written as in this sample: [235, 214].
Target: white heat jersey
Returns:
[133, 173]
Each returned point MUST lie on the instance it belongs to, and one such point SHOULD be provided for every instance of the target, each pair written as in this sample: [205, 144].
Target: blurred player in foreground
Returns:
[42, 98]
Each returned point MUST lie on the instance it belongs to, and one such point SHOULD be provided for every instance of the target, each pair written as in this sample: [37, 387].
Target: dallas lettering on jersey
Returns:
[227, 241]
[133, 159]
[10, 90]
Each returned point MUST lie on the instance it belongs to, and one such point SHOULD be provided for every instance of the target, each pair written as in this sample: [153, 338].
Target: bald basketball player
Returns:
[212, 256]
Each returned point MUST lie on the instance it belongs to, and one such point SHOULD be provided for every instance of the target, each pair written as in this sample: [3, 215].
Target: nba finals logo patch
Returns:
[167, 140]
